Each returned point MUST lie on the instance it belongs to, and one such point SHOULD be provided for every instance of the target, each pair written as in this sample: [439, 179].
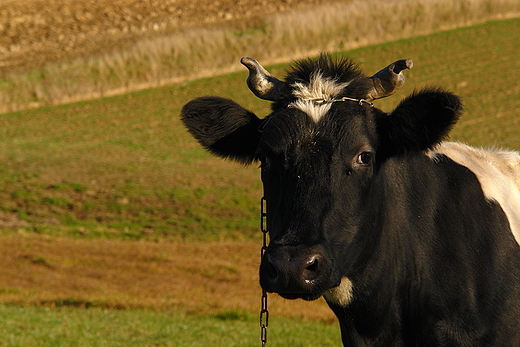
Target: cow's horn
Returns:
[388, 80]
[262, 83]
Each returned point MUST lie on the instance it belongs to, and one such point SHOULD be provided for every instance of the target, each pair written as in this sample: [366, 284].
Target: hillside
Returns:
[34, 33]
[53, 52]
[124, 167]
[104, 203]
[110, 205]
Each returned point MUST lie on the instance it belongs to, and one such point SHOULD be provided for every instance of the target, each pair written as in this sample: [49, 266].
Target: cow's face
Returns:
[320, 151]
[316, 175]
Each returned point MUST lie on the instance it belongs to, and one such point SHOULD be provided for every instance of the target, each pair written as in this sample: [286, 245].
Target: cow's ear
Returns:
[419, 122]
[223, 127]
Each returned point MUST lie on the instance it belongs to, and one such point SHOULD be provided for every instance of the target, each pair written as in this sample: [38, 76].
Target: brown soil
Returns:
[37, 32]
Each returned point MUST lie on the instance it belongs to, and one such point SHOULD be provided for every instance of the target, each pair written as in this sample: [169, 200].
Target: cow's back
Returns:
[498, 172]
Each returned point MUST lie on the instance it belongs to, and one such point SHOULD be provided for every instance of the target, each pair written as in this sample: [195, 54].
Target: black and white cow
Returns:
[411, 240]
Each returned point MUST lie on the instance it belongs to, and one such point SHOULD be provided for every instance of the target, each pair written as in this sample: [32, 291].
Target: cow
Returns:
[411, 240]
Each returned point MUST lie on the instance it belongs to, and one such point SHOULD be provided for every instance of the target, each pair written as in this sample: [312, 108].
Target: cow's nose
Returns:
[282, 275]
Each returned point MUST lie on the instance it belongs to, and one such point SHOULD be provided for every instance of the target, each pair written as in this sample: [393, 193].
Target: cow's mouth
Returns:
[308, 296]
[304, 296]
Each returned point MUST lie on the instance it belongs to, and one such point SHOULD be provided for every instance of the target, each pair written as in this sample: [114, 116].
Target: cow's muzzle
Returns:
[303, 276]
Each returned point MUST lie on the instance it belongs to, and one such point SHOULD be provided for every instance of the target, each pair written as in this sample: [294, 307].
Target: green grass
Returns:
[45, 327]
[124, 167]
[466, 62]
[123, 162]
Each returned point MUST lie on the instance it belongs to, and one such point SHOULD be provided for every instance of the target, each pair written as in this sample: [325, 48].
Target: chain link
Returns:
[264, 313]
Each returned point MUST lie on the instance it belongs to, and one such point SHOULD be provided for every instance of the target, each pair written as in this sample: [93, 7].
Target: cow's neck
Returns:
[381, 262]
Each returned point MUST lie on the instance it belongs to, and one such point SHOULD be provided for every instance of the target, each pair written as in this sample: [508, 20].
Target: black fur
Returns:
[340, 70]
[419, 122]
[223, 127]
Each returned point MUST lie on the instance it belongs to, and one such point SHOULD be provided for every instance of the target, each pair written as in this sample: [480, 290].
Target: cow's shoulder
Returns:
[498, 172]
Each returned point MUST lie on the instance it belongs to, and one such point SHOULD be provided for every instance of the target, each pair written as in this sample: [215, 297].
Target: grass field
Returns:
[110, 204]
[125, 167]
[43, 327]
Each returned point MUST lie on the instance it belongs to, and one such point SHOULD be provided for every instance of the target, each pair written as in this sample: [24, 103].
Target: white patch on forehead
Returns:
[319, 87]
[340, 295]
[498, 173]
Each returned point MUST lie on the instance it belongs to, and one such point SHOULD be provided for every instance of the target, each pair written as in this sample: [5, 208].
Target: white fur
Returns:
[340, 295]
[319, 87]
[497, 171]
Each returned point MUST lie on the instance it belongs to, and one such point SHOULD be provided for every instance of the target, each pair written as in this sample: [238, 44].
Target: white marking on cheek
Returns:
[341, 295]
[498, 173]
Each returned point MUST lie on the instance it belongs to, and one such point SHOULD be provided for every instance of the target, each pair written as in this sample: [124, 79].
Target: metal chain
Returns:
[264, 313]
[330, 101]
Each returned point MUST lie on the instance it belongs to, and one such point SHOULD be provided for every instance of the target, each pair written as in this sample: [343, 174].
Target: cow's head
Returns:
[320, 150]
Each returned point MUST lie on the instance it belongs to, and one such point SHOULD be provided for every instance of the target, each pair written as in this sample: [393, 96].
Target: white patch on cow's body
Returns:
[319, 88]
[340, 295]
[497, 171]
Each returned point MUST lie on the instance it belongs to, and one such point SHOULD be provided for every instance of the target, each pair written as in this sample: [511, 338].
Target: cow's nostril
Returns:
[311, 271]
[270, 269]
[281, 274]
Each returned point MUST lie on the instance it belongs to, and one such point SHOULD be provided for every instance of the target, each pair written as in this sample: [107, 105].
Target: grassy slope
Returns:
[122, 166]
[125, 167]
[480, 64]
[200, 278]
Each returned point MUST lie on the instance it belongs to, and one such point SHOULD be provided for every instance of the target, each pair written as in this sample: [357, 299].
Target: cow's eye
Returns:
[364, 158]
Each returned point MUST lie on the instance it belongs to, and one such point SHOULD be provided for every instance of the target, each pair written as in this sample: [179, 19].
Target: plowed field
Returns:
[36, 32]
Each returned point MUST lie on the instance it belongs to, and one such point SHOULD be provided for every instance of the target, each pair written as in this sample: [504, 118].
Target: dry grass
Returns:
[192, 53]
[34, 33]
[190, 277]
